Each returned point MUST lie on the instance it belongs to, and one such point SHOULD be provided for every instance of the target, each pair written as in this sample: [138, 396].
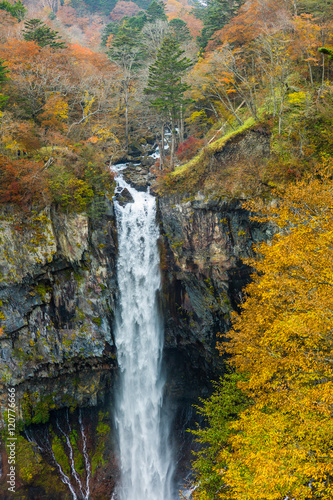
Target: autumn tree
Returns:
[273, 59]
[212, 91]
[36, 31]
[165, 85]
[124, 10]
[23, 183]
[52, 4]
[281, 446]
[227, 78]
[55, 112]
[306, 42]
[152, 36]
[252, 18]
[126, 51]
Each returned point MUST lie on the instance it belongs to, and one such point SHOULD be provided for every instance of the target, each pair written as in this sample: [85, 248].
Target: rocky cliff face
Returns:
[57, 293]
[203, 244]
[205, 239]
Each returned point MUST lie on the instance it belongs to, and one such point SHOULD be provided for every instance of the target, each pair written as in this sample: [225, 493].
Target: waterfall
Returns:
[85, 455]
[47, 448]
[43, 440]
[145, 455]
[71, 453]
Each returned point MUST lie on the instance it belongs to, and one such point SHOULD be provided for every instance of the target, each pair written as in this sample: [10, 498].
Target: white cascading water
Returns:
[145, 455]
[44, 445]
[85, 455]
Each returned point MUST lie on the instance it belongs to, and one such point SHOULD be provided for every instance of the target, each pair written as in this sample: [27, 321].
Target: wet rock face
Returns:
[57, 296]
[139, 176]
[123, 197]
[203, 243]
[57, 292]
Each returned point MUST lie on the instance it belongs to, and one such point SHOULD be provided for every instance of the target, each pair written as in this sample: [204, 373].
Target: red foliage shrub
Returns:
[189, 148]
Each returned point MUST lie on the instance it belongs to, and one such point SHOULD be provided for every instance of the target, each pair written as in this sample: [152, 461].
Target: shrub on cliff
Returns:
[187, 149]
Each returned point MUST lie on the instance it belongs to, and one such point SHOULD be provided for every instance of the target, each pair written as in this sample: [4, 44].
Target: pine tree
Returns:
[3, 79]
[37, 31]
[215, 15]
[165, 84]
[3, 72]
[17, 10]
[179, 30]
[156, 10]
[325, 50]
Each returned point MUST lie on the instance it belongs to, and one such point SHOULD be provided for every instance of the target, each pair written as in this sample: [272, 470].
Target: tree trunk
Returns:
[181, 125]
[310, 72]
[173, 141]
[161, 148]
[126, 116]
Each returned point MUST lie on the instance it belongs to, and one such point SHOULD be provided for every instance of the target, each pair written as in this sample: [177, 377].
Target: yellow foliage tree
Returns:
[55, 112]
[282, 445]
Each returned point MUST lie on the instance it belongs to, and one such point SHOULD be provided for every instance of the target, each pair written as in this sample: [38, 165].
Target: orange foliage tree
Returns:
[23, 183]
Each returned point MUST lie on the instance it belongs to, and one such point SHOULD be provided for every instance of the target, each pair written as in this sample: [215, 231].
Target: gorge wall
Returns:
[58, 291]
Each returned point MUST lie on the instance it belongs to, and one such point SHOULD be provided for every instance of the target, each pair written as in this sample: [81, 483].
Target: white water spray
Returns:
[145, 456]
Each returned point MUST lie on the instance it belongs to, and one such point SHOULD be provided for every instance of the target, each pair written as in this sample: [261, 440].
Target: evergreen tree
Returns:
[17, 10]
[321, 9]
[156, 10]
[3, 72]
[179, 30]
[3, 79]
[110, 29]
[138, 21]
[328, 52]
[222, 408]
[35, 30]
[143, 4]
[165, 84]
[215, 16]
[106, 6]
